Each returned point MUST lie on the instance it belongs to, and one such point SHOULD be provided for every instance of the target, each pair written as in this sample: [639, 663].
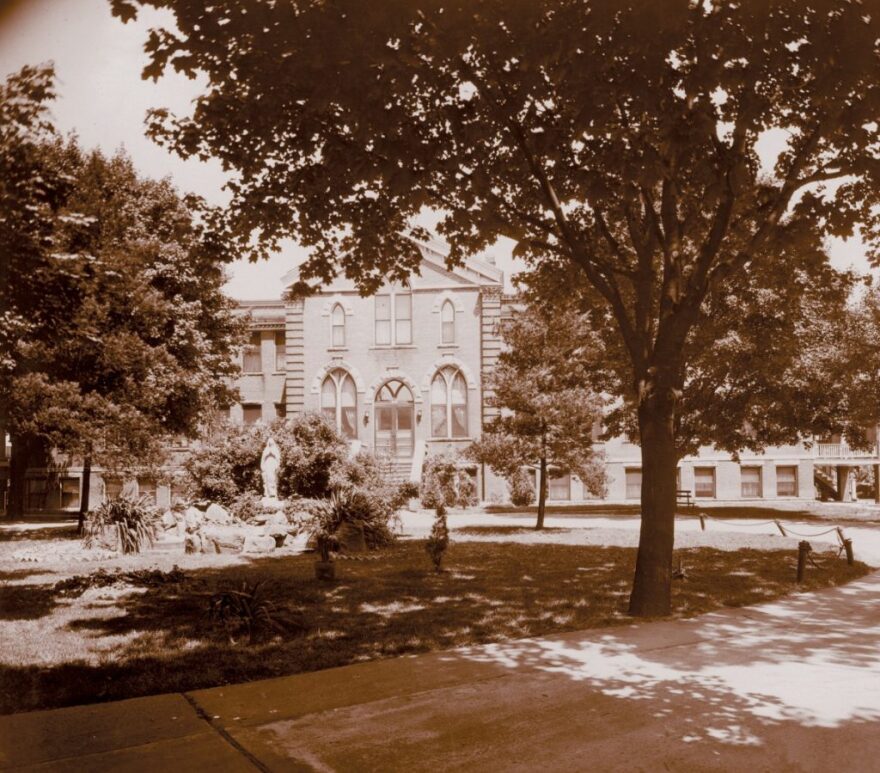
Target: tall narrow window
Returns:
[750, 483]
[786, 481]
[339, 401]
[383, 320]
[447, 323]
[633, 482]
[280, 351]
[69, 493]
[338, 322]
[252, 360]
[449, 404]
[403, 317]
[704, 482]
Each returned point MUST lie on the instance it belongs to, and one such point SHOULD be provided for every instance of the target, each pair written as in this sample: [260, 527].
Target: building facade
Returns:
[402, 373]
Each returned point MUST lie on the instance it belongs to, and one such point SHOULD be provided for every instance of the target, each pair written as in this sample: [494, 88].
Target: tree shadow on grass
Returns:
[22, 531]
[163, 640]
[26, 602]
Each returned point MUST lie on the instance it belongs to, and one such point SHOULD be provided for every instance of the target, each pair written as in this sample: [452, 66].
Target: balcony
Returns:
[843, 451]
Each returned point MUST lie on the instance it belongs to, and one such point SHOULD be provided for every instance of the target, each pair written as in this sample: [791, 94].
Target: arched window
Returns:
[449, 404]
[447, 323]
[339, 401]
[337, 317]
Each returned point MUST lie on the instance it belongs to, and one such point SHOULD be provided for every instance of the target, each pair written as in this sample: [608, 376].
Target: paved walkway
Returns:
[792, 685]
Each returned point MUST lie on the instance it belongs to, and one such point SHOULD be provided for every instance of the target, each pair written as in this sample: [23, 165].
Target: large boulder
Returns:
[168, 521]
[258, 543]
[194, 519]
[224, 539]
[194, 543]
[218, 515]
[351, 537]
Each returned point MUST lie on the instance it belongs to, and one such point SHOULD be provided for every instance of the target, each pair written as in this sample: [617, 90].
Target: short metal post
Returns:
[804, 549]
[702, 517]
[781, 530]
[847, 545]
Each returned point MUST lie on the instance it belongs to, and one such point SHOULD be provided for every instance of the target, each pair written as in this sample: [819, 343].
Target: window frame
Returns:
[742, 482]
[627, 472]
[395, 320]
[714, 494]
[447, 375]
[337, 377]
[280, 351]
[447, 326]
[251, 349]
[244, 413]
[795, 479]
[337, 326]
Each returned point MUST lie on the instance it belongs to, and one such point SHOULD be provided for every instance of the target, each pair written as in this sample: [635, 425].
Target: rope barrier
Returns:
[785, 530]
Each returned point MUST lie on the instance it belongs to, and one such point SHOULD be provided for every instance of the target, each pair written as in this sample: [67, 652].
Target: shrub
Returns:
[522, 490]
[445, 473]
[243, 609]
[359, 503]
[246, 506]
[130, 524]
[438, 539]
[227, 463]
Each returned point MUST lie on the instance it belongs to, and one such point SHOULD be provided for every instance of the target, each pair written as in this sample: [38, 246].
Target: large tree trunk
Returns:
[18, 464]
[86, 493]
[652, 586]
[542, 493]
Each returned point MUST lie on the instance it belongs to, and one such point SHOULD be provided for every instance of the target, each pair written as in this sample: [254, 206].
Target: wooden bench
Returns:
[684, 498]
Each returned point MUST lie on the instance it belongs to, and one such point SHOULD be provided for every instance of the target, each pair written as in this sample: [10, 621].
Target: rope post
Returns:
[702, 517]
[847, 546]
[781, 530]
[804, 549]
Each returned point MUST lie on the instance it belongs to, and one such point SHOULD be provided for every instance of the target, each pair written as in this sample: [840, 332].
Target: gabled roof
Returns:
[474, 272]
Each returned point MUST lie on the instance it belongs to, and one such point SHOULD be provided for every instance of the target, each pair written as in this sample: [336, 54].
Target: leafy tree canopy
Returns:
[617, 138]
[122, 334]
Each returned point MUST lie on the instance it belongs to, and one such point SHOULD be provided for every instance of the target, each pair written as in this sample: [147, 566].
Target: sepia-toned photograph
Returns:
[440, 385]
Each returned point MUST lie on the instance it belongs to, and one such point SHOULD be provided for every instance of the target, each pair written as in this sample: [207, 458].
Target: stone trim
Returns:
[445, 362]
[341, 365]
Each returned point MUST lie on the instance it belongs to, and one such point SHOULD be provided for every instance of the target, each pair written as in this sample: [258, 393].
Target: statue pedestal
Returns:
[271, 503]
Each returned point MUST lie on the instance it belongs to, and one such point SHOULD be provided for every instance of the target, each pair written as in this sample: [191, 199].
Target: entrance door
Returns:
[394, 420]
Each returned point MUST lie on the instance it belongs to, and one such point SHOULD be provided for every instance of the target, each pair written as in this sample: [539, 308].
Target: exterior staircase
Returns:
[825, 484]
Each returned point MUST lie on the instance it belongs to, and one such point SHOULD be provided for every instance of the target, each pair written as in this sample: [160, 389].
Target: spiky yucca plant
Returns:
[133, 521]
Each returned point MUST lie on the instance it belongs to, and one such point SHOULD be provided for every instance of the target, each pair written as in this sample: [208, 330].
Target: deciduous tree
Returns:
[617, 137]
[548, 411]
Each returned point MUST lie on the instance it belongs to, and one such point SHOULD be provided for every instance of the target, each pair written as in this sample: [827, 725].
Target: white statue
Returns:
[269, 465]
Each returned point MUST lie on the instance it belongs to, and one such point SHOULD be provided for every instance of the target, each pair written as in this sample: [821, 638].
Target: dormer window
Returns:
[337, 317]
[447, 323]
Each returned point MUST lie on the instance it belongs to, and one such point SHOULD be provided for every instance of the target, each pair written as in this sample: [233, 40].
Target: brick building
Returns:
[402, 373]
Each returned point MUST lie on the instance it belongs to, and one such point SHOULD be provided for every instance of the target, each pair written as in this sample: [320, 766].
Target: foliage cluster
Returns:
[324, 486]
[447, 478]
[522, 490]
[124, 523]
[244, 610]
[227, 463]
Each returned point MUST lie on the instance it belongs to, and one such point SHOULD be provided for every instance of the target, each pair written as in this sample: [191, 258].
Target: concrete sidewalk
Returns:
[791, 685]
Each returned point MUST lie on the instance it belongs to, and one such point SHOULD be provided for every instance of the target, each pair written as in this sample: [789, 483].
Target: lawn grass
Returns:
[123, 641]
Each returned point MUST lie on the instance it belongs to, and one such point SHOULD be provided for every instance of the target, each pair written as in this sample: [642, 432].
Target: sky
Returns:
[102, 98]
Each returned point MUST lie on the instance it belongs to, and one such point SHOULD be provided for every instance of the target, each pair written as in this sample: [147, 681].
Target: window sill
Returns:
[337, 348]
[386, 347]
[451, 439]
[447, 346]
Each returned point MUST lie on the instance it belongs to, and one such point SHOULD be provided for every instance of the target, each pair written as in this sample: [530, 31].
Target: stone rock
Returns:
[298, 542]
[257, 543]
[168, 521]
[225, 539]
[217, 514]
[270, 503]
[261, 518]
[351, 537]
[193, 518]
[193, 543]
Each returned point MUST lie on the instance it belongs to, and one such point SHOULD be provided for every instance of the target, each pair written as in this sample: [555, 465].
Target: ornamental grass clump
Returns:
[129, 525]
